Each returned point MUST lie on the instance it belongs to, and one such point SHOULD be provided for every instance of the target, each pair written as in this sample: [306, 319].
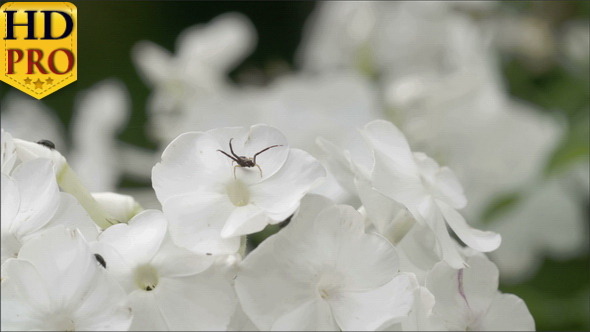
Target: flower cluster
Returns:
[332, 267]
[351, 193]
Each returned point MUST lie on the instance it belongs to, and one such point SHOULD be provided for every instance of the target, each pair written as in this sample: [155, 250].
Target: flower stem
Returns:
[69, 181]
[243, 246]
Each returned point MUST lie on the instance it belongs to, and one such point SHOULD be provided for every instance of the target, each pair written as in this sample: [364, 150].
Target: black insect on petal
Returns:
[47, 143]
[100, 260]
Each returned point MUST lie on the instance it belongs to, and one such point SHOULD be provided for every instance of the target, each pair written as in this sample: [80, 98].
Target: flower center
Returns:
[146, 277]
[329, 285]
[238, 193]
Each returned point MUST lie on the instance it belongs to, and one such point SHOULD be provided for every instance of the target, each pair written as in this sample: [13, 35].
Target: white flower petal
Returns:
[314, 315]
[29, 150]
[244, 220]
[146, 231]
[282, 287]
[449, 249]
[393, 181]
[151, 61]
[173, 261]
[483, 241]
[190, 161]
[279, 196]
[421, 317]
[146, 313]
[8, 157]
[339, 163]
[507, 312]
[240, 321]
[72, 215]
[39, 196]
[202, 302]
[321, 257]
[66, 274]
[101, 113]
[104, 293]
[366, 260]
[311, 206]
[367, 311]
[30, 119]
[120, 207]
[66, 287]
[220, 44]
[418, 251]
[479, 282]
[451, 191]
[116, 265]
[386, 138]
[27, 285]
[387, 215]
[444, 282]
[196, 222]
[10, 199]
[14, 308]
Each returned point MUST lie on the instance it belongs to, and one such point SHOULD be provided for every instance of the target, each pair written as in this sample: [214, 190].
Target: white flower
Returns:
[547, 220]
[431, 193]
[100, 114]
[57, 284]
[204, 56]
[30, 119]
[26, 150]
[65, 176]
[169, 288]
[32, 202]
[490, 156]
[323, 272]
[300, 106]
[210, 201]
[468, 299]
[379, 37]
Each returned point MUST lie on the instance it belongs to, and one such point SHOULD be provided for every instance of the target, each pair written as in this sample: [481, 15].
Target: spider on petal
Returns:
[243, 161]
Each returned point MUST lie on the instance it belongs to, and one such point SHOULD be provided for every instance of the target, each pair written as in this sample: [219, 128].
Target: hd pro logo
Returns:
[39, 46]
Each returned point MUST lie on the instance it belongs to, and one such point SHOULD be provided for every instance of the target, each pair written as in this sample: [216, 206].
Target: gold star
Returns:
[38, 84]
[28, 80]
[49, 80]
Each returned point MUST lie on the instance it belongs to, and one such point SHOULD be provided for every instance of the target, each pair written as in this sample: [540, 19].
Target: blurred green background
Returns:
[558, 296]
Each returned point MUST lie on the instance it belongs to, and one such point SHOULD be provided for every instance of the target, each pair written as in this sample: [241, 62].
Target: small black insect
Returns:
[100, 260]
[47, 143]
[243, 161]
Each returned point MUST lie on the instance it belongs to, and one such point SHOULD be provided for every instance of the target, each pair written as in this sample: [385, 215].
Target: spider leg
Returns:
[259, 152]
[231, 148]
[260, 169]
[225, 153]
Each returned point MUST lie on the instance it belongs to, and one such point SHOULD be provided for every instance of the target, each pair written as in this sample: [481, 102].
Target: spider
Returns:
[243, 161]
